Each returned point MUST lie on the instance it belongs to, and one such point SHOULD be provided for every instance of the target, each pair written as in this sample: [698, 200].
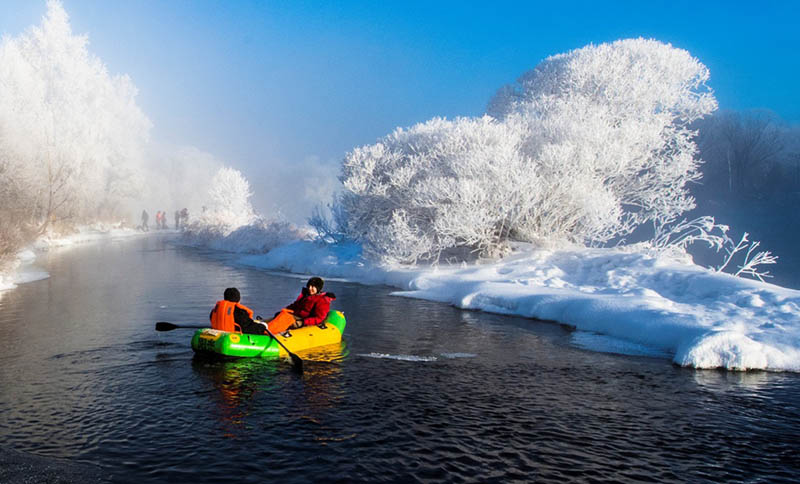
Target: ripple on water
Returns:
[399, 357]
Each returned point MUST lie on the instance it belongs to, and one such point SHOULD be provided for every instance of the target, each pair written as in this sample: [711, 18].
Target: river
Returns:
[417, 392]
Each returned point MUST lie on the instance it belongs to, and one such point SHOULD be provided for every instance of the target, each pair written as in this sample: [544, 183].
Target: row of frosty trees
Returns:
[74, 145]
[71, 135]
[583, 149]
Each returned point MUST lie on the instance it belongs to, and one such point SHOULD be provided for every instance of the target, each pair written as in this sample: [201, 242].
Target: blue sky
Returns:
[259, 83]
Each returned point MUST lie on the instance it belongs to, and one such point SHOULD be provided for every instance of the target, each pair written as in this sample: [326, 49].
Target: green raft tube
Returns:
[209, 341]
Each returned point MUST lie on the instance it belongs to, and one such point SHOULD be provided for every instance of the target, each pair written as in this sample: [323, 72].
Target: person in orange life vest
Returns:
[229, 315]
[310, 308]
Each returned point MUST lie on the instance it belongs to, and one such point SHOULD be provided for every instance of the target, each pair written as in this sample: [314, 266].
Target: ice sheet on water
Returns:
[30, 274]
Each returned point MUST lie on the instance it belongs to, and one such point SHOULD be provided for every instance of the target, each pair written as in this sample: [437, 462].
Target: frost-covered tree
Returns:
[73, 134]
[229, 202]
[616, 117]
[436, 187]
[584, 148]
[229, 222]
[15, 213]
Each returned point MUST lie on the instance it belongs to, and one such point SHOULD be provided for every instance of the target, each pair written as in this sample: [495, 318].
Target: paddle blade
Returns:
[165, 326]
[297, 363]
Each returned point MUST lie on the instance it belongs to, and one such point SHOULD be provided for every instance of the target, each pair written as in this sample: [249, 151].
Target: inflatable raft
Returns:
[209, 341]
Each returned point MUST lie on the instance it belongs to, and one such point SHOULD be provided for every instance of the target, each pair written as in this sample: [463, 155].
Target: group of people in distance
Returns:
[181, 219]
[161, 220]
[310, 308]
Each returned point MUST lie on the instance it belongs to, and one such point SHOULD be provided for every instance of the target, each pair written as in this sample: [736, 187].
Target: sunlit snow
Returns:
[637, 303]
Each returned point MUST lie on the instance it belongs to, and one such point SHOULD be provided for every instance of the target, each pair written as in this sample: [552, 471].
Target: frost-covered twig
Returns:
[702, 229]
[686, 232]
[751, 262]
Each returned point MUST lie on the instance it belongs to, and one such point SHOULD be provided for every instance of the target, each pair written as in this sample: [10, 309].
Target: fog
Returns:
[78, 145]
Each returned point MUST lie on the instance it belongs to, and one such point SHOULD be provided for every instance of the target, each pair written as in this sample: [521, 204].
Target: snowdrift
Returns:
[700, 318]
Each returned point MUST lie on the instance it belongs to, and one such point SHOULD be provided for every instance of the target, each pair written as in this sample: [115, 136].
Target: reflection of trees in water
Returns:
[237, 382]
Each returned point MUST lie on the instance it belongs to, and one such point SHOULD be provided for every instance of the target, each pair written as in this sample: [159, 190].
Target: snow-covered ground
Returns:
[86, 234]
[618, 301]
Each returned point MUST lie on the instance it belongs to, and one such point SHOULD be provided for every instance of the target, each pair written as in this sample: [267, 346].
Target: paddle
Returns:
[165, 326]
[297, 363]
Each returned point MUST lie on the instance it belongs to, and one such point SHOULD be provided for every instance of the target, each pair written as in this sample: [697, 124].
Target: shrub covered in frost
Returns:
[229, 204]
[584, 148]
[436, 186]
[229, 222]
[258, 237]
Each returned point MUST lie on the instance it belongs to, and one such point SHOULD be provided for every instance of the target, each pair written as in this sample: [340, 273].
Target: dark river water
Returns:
[417, 392]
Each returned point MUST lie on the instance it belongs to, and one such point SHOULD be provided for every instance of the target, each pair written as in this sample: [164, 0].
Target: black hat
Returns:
[316, 282]
[232, 294]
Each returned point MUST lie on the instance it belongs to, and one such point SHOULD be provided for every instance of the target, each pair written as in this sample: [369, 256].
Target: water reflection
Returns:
[322, 377]
[237, 384]
[323, 393]
[724, 381]
[334, 353]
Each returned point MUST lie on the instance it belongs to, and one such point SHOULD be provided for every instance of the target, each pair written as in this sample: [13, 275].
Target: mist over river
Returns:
[418, 391]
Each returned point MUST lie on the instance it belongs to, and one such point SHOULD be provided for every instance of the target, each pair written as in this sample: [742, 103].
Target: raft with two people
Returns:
[208, 341]
[305, 324]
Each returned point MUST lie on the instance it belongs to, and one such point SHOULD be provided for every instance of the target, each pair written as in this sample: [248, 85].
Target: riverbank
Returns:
[621, 302]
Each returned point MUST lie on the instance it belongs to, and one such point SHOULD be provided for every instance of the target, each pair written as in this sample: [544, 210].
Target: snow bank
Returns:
[258, 237]
[7, 277]
[640, 303]
[83, 234]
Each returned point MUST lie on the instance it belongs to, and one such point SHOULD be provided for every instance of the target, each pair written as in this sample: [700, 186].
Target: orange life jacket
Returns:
[222, 316]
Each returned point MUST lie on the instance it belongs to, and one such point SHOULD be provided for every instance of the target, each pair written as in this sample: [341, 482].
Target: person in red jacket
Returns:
[229, 315]
[310, 308]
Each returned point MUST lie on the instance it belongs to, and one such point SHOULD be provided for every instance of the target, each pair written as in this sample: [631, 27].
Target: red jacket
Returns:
[312, 308]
